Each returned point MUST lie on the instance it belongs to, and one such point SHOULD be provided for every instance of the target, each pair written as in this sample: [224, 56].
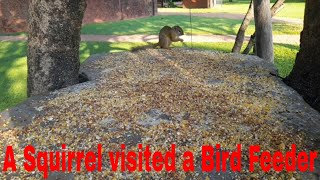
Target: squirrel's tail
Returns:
[149, 46]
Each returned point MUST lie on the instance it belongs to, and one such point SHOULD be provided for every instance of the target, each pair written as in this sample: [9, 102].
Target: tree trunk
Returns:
[241, 33]
[305, 76]
[53, 44]
[277, 6]
[264, 41]
[251, 44]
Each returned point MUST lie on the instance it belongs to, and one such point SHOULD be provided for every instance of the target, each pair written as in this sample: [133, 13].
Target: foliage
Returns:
[171, 4]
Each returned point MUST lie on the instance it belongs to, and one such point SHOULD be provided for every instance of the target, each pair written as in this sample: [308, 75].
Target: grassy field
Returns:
[13, 63]
[292, 8]
[201, 25]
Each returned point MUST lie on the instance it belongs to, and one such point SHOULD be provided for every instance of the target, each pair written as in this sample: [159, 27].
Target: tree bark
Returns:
[305, 76]
[251, 44]
[53, 44]
[264, 41]
[241, 32]
[276, 7]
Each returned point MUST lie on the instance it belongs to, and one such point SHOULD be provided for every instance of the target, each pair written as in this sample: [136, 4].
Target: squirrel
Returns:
[167, 35]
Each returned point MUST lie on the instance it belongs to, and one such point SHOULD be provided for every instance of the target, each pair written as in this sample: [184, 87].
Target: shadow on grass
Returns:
[152, 25]
[13, 71]
[285, 55]
[90, 48]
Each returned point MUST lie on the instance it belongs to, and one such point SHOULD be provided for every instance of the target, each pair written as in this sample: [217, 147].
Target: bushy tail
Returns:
[149, 46]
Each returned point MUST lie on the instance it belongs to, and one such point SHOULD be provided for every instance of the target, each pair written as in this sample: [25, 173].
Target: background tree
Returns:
[305, 76]
[276, 7]
[53, 44]
[264, 40]
[241, 32]
[162, 3]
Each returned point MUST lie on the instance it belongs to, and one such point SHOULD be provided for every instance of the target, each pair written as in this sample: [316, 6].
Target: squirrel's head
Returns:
[179, 30]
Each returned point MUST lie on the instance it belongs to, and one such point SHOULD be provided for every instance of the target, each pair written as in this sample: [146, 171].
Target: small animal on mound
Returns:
[167, 35]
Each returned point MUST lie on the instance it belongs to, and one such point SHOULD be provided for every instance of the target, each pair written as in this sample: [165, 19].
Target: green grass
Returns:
[14, 34]
[13, 73]
[292, 9]
[201, 25]
[13, 63]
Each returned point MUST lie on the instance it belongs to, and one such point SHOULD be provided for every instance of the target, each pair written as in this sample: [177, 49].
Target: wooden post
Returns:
[264, 40]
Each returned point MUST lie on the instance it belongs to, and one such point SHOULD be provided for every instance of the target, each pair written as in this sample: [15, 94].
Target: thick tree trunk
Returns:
[264, 41]
[53, 44]
[241, 33]
[305, 76]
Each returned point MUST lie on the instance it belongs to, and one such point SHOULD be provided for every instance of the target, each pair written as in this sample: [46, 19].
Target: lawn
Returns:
[292, 8]
[201, 25]
[13, 63]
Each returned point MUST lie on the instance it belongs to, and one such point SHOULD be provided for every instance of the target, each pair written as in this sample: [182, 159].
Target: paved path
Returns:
[285, 39]
[233, 16]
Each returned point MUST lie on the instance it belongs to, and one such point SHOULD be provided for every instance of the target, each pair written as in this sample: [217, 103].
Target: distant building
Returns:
[14, 13]
[198, 3]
